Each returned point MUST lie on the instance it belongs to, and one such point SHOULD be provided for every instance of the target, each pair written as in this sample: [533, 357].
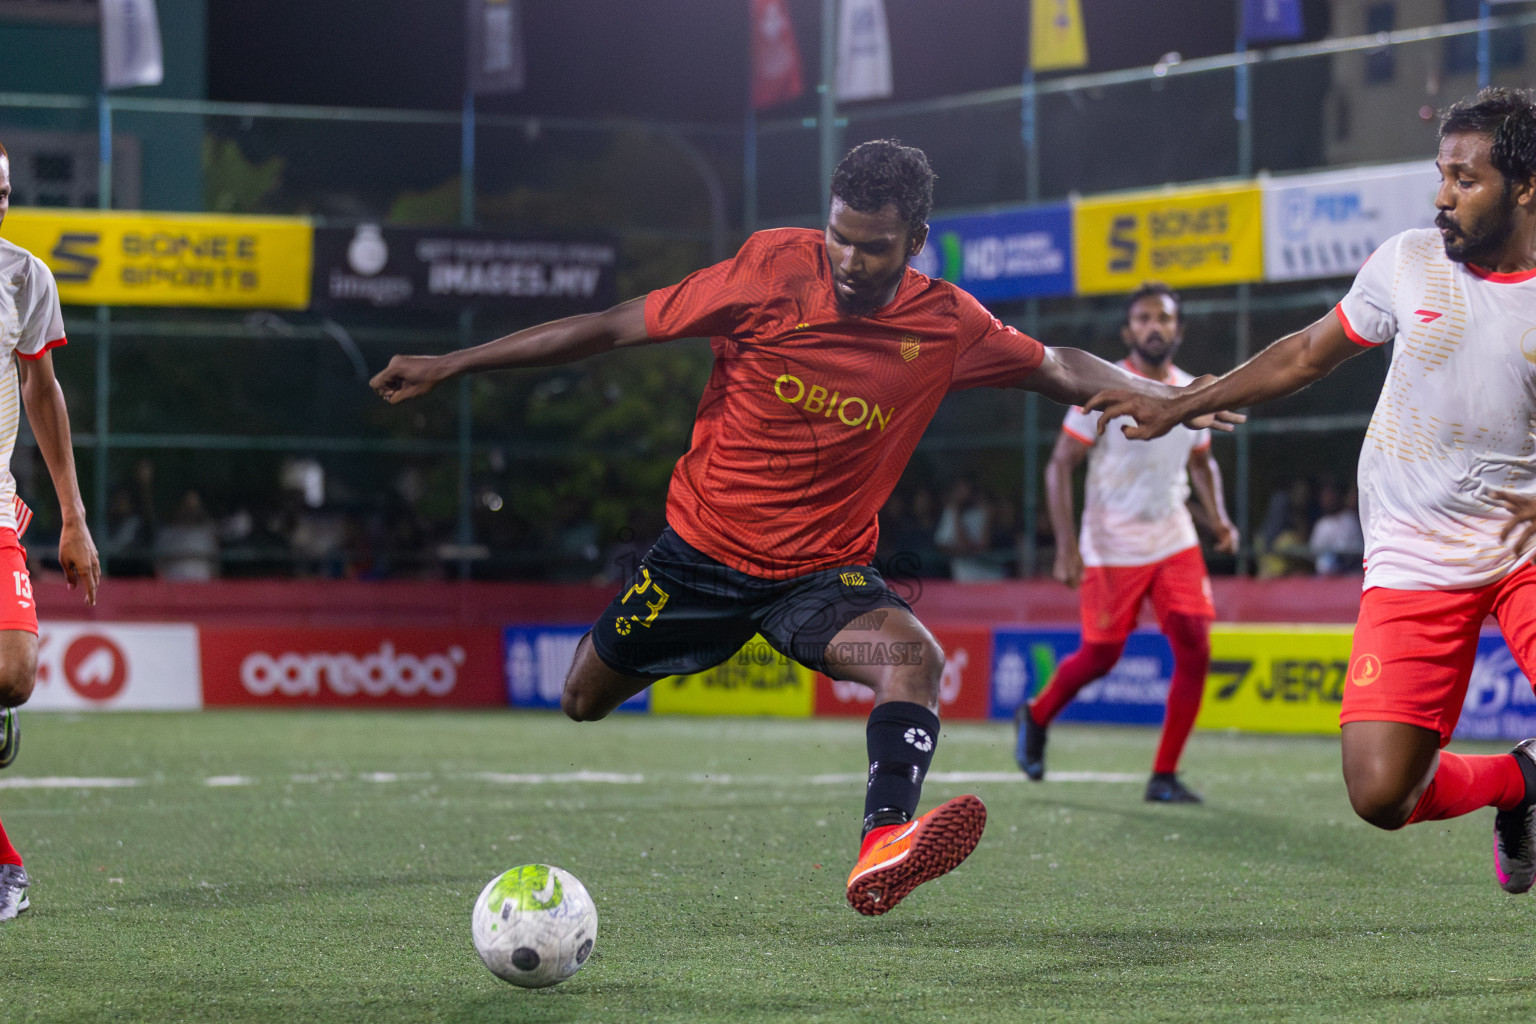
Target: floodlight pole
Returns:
[827, 121]
[1243, 327]
[103, 336]
[1029, 133]
[466, 527]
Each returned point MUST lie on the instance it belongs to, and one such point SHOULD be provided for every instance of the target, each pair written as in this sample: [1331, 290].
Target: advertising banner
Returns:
[964, 689]
[1328, 224]
[312, 667]
[1500, 704]
[1276, 678]
[1184, 237]
[111, 666]
[115, 258]
[536, 660]
[757, 680]
[1009, 255]
[446, 268]
[1134, 692]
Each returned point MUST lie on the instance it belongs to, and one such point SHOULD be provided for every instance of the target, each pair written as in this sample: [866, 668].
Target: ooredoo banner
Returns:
[353, 667]
[1328, 224]
[964, 691]
[109, 666]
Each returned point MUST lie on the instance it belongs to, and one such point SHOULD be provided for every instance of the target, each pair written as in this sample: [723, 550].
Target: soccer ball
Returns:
[534, 925]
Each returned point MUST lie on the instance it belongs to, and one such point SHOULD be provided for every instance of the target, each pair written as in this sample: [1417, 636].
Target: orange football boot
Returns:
[898, 858]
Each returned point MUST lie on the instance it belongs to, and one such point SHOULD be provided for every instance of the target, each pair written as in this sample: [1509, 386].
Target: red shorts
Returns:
[1112, 594]
[1414, 649]
[17, 609]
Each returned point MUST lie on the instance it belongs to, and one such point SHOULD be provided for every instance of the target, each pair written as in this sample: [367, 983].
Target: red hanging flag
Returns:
[775, 57]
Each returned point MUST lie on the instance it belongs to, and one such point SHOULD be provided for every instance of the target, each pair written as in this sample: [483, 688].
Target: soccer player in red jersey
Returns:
[1138, 543]
[831, 355]
[1447, 477]
[31, 324]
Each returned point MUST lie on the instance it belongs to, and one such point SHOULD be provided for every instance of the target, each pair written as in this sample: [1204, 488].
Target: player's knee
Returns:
[1379, 801]
[580, 704]
[16, 682]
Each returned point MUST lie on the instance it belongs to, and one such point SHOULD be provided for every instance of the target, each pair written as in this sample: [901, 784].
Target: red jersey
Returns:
[810, 414]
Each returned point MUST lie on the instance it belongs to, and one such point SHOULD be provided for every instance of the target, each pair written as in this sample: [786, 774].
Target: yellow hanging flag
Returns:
[1056, 37]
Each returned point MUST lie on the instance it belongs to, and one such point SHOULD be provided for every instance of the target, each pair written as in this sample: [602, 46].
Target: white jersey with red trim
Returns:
[1135, 504]
[31, 323]
[1455, 418]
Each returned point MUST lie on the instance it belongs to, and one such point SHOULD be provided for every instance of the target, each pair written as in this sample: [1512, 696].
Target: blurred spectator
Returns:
[1284, 506]
[187, 547]
[1290, 553]
[1337, 541]
[964, 534]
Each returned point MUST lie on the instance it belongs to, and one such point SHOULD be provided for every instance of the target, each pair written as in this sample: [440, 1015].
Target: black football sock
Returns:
[901, 737]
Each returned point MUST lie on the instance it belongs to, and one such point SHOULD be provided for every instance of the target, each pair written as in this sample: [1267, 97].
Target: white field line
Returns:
[970, 777]
[229, 780]
[613, 778]
[573, 778]
[67, 782]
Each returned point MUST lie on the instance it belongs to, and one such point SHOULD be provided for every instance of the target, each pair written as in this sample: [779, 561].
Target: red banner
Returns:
[775, 56]
[353, 667]
[964, 690]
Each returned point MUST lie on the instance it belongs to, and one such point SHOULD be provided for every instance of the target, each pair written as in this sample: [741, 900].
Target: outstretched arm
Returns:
[557, 342]
[49, 419]
[1071, 376]
[1283, 368]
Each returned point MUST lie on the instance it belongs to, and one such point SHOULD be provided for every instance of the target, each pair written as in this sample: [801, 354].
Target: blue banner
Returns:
[1500, 704]
[535, 660]
[1271, 20]
[1134, 692]
[1012, 255]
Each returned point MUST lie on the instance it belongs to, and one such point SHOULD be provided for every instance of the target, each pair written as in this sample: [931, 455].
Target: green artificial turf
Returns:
[330, 878]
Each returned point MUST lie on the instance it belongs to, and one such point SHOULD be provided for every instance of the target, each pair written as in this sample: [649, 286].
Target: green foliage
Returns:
[233, 184]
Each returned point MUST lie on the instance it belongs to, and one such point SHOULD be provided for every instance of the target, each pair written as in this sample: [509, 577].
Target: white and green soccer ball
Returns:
[534, 925]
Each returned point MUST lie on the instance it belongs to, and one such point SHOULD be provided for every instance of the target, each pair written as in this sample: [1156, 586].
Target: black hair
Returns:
[1508, 118]
[1148, 290]
[882, 172]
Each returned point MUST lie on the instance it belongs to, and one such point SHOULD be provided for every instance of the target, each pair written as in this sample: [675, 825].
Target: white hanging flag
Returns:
[496, 59]
[130, 44]
[863, 51]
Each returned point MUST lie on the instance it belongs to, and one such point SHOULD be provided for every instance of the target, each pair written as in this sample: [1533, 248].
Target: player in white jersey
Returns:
[31, 324]
[1138, 543]
[1447, 477]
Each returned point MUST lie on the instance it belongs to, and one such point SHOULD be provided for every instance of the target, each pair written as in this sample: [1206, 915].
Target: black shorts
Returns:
[683, 612]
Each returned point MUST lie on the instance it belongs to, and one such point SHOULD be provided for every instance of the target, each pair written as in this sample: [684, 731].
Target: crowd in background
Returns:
[960, 530]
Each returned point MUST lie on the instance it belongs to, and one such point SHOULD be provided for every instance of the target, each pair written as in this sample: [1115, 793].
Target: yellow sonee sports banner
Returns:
[1184, 237]
[756, 680]
[1276, 678]
[123, 258]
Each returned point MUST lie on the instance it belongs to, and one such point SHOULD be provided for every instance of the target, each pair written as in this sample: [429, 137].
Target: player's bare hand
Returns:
[1521, 530]
[1227, 537]
[407, 377]
[1153, 417]
[1068, 567]
[77, 554]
